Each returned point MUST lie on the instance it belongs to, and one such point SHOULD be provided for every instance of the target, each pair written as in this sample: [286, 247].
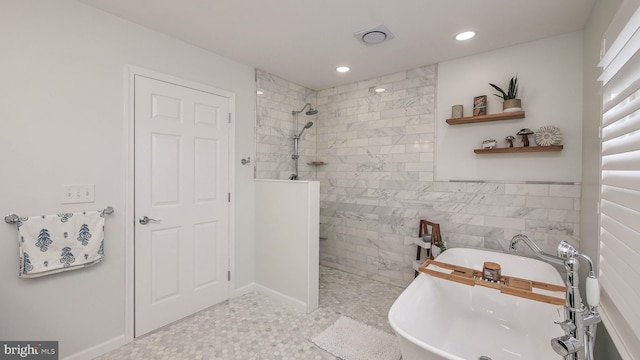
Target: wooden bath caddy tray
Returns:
[507, 285]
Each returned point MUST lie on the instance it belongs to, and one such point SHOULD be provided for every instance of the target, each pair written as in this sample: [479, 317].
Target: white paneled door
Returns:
[181, 202]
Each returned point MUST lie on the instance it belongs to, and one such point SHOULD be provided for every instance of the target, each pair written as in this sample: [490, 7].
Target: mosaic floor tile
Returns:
[254, 326]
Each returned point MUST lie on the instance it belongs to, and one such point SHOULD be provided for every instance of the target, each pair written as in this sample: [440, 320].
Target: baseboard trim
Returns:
[100, 349]
[243, 290]
[295, 303]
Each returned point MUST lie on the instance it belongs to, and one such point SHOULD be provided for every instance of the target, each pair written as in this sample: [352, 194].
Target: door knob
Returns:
[145, 220]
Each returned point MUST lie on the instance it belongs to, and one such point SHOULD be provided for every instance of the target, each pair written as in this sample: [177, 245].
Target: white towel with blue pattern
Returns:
[50, 244]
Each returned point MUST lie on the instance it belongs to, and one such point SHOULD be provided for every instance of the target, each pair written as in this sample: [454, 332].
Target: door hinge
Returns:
[229, 118]
[229, 197]
[229, 275]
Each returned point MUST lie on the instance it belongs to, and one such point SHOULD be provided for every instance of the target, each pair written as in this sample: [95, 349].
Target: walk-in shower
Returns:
[297, 135]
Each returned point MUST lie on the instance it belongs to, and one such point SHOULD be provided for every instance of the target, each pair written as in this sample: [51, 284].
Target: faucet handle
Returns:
[566, 325]
[566, 251]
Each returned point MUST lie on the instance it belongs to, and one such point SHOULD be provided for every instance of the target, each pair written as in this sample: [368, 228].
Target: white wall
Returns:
[287, 241]
[62, 122]
[550, 77]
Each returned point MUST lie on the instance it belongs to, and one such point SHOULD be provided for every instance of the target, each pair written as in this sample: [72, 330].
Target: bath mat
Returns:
[352, 340]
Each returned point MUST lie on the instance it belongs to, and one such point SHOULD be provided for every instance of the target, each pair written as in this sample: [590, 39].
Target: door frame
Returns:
[129, 181]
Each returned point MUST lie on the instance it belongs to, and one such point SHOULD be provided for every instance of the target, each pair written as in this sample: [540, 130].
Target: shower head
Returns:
[306, 126]
[311, 111]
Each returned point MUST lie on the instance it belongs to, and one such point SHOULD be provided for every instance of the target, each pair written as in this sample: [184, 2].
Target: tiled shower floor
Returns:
[253, 326]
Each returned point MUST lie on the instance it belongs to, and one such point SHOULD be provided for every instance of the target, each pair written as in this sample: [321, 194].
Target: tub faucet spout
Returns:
[580, 320]
[536, 250]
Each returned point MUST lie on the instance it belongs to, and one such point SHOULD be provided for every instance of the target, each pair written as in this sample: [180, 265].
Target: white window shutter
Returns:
[619, 260]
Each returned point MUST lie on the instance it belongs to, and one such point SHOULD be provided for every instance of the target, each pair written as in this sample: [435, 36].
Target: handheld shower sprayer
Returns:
[308, 125]
[566, 251]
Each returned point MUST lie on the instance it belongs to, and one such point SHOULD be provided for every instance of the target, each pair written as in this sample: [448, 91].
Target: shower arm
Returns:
[301, 110]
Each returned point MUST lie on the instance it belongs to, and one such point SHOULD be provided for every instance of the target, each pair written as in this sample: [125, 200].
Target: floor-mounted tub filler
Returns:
[437, 318]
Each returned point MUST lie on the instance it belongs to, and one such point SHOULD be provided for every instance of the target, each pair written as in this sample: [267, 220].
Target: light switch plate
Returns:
[78, 193]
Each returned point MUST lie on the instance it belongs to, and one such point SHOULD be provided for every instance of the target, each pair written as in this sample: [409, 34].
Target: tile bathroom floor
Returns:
[253, 326]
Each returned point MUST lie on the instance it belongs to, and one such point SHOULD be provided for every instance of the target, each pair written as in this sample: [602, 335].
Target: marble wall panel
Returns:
[275, 127]
[378, 181]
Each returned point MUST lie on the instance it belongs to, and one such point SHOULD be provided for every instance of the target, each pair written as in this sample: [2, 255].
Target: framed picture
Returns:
[480, 105]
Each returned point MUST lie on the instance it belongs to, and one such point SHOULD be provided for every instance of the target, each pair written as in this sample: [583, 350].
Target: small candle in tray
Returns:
[491, 271]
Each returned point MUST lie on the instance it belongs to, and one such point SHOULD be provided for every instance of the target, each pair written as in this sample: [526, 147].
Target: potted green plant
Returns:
[439, 246]
[510, 99]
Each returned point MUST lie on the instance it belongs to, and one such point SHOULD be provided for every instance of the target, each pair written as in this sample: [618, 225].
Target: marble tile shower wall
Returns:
[275, 127]
[379, 178]
[379, 182]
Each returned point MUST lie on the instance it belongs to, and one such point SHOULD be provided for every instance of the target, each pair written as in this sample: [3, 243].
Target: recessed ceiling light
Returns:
[259, 92]
[342, 69]
[379, 90]
[465, 35]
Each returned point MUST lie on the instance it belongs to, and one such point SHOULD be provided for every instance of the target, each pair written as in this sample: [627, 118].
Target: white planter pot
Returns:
[435, 251]
[512, 105]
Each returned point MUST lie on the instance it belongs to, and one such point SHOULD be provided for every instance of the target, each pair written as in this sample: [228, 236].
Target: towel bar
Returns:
[13, 218]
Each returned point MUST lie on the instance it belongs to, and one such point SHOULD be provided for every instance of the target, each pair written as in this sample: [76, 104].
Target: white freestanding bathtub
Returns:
[436, 318]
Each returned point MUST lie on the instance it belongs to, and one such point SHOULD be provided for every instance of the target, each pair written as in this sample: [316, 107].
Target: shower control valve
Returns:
[566, 325]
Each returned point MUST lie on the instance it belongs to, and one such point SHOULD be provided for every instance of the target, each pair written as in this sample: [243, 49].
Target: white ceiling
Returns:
[303, 41]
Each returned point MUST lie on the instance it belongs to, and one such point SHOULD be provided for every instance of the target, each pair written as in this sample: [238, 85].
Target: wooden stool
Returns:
[435, 237]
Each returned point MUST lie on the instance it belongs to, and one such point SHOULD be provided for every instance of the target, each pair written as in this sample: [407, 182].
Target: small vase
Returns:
[512, 105]
[456, 111]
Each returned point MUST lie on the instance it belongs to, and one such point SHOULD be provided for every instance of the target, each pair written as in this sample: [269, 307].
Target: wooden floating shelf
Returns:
[483, 118]
[519, 149]
[507, 285]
